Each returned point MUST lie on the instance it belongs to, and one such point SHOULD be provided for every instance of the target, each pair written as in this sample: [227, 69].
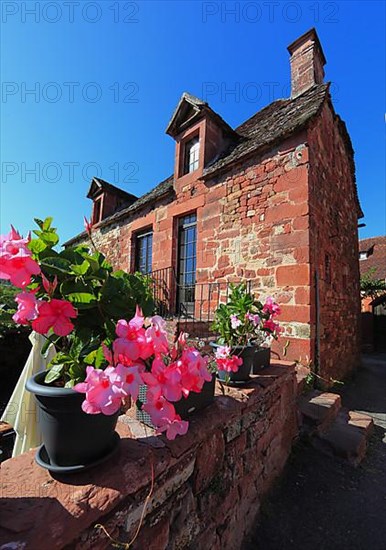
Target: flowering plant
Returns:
[241, 322]
[73, 297]
[80, 304]
[142, 356]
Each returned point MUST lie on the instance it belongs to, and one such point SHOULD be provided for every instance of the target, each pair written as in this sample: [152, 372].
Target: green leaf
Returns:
[54, 373]
[47, 224]
[36, 246]
[49, 238]
[56, 265]
[39, 222]
[82, 300]
[81, 269]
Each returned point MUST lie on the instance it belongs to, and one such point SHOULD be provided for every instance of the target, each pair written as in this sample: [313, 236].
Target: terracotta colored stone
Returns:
[209, 459]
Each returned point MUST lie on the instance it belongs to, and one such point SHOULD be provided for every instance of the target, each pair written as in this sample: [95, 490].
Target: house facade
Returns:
[272, 202]
[372, 263]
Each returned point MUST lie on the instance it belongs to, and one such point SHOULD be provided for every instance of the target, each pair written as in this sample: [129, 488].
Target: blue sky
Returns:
[89, 87]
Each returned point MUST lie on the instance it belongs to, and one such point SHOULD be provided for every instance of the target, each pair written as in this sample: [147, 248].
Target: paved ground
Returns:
[323, 504]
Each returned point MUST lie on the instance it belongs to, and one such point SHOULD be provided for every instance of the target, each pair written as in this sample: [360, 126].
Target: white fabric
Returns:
[21, 411]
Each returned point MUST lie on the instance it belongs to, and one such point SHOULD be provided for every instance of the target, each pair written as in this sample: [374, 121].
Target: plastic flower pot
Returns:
[72, 439]
[261, 359]
[185, 407]
[254, 359]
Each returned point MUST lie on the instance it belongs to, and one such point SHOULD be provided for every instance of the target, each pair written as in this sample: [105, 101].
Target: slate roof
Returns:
[377, 257]
[163, 188]
[98, 185]
[198, 108]
[271, 125]
[263, 130]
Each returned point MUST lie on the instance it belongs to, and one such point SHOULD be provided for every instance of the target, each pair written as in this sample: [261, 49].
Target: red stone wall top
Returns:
[208, 484]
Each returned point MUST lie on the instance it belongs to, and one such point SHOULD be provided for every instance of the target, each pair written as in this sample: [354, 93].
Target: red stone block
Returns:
[209, 459]
[293, 275]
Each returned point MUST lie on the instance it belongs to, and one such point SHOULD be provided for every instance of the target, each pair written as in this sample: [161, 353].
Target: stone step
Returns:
[318, 411]
[347, 436]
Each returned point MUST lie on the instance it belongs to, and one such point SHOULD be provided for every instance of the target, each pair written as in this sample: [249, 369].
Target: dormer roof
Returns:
[99, 186]
[189, 110]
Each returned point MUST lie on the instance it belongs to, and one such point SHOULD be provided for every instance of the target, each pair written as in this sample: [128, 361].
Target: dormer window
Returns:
[364, 254]
[97, 210]
[191, 155]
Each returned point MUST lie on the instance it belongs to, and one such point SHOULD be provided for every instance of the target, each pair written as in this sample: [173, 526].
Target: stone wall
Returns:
[287, 221]
[208, 485]
[252, 223]
[334, 246]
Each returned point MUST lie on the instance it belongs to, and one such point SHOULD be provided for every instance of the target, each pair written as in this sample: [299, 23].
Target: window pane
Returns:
[191, 155]
[144, 251]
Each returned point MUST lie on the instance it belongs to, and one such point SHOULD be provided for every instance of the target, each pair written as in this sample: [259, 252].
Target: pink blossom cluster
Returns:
[18, 267]
[141, 356]
[16, 264]
[273, 310]
[226, 361]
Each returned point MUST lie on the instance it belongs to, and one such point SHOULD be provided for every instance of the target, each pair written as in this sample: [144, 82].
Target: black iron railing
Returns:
[199, 309]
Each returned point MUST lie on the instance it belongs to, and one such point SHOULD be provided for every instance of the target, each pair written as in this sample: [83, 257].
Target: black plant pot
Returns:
[72, 439]
[254, 359]
[261, 359]
[184, 407]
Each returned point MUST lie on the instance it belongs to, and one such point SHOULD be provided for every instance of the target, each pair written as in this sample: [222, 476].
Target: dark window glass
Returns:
[97, 211]
[144, 252]
[187, 263]
[191, 155]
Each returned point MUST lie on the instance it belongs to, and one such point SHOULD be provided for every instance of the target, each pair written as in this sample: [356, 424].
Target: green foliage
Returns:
[240, 302]
[101, 296]
[7, 307]
[371, 286]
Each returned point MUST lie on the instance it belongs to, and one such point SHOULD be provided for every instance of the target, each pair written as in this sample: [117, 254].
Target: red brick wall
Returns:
[334, 247]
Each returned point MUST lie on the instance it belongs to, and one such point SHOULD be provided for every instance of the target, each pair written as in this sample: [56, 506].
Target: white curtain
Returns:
[21, 411]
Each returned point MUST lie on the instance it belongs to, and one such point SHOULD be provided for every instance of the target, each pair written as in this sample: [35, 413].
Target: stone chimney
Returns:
[307, 62]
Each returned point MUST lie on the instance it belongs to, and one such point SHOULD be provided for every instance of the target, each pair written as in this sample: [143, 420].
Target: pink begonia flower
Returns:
[235, 321]
[272, 326]
[128, 379]
[49, 286]
[165, 418]
[271, 307]
[107, 354]
[173, 427]
[230, 364]
[157, 335]
[130, 329]
[254, 318]
[55, 314]
[87, 225]
[27, 309]
[126, 351]
[102, 395]
[132, 342]
[16, 264]
[194, 371]
[180, 345]
[164, 379]
[222, 352]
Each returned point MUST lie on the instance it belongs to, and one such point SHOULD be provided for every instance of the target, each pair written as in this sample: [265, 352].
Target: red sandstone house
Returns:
[372, 259]
[273, 201]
